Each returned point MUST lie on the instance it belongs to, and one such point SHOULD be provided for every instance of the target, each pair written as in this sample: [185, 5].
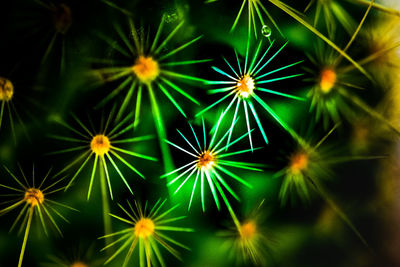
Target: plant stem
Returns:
[158, 121]
[28, 227]
[106, 205]
[231, 212]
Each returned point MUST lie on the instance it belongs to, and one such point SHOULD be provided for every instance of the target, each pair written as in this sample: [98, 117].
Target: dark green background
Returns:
[43, 91]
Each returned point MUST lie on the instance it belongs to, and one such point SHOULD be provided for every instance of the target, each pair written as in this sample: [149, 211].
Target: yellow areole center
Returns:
[327, 80]
[245, 86]
[248, 230]
[206, 160]
[100, 144]
[146, 69]
[298, 162]
[34, 196]
[6, 89]
[78, 264]
[144, 228]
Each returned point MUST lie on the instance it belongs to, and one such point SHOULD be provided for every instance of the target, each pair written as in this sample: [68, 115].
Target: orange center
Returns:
[328, 80]
[34, 196]
[62, 18]
[298, 162]
[144, 228]
[206, 160]
[100, 144]
[79, 264]
[146, 69]
[245, 86]
[6, 89]
[248, 230]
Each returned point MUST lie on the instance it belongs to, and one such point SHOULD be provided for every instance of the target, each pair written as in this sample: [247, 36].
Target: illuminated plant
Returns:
[79, 256]
[144, 63]
[307, 167]
[327, 78]
[6, 95]
[147, 231]
[245, 84]
[249, 241]
[148, 66]
[34, 201]
[210, 165]
[332, 97]
[103, 149]
[103, 146]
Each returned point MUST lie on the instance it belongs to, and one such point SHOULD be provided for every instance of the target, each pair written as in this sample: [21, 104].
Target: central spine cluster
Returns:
[144, 228]
[34, 197]
[146, 69]
[206, 160]
[100, 144]
[245, 86]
